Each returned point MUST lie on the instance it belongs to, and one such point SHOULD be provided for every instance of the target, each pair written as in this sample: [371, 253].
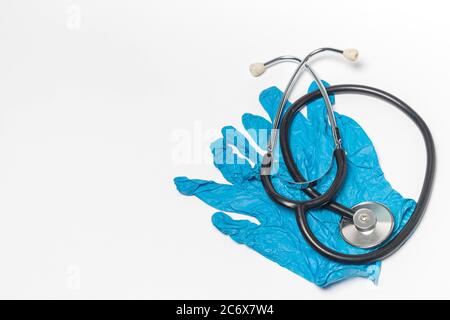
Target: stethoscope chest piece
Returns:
[372, 224]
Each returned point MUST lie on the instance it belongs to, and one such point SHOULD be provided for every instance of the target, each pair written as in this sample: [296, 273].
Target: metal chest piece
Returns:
[372, 224]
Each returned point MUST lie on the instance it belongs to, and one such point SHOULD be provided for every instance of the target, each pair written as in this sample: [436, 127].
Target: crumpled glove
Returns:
[276, 236]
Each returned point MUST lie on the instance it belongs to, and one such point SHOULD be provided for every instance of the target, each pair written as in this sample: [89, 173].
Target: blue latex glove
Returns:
[277, 236]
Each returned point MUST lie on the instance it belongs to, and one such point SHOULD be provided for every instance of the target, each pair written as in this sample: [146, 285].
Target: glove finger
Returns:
[300, 129]
[318, 116]
[228, 198]
[317, 112]
[319, 144]
[239, 173]
[302, 144]
[269, 99]
[235, 138]
[236, 229]
[258, 128]
[234, 169]
[190, 187]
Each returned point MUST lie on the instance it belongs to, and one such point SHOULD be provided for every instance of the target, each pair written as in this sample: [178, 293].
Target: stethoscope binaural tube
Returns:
[256, 69]
[319, 200]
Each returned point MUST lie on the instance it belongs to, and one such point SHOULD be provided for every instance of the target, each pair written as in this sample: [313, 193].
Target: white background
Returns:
[91, 93]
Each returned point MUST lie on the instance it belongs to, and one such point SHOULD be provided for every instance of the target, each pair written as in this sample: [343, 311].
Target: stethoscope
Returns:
[365, 225]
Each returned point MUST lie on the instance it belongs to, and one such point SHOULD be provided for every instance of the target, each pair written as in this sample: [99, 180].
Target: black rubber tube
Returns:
[394, 244]
[339, 155]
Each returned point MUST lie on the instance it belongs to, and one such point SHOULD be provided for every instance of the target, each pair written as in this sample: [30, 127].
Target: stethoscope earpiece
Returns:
[257, 69]
[351, 54]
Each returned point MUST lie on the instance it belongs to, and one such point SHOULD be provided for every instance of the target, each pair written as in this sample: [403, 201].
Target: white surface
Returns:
[93, 92]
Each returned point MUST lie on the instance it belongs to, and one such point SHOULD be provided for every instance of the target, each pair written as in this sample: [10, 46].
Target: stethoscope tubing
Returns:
[325, 200]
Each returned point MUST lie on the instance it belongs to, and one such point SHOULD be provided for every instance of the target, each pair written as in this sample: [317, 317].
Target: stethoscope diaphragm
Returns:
[372, 224]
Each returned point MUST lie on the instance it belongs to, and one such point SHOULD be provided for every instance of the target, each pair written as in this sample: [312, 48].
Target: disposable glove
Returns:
[276, 235]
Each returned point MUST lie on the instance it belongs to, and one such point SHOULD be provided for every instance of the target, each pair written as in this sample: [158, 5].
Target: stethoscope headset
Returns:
[365, 225]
